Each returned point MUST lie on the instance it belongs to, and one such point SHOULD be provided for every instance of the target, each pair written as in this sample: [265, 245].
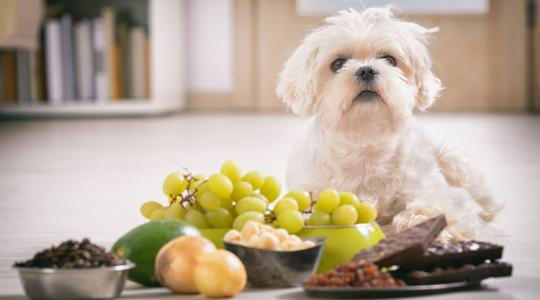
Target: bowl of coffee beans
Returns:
[73, 270]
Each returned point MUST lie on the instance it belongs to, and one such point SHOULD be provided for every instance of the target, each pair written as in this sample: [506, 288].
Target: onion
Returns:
[176, 260]
[219, 274]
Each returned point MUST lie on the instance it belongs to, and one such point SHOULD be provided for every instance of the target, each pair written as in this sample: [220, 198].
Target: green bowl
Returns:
[342, 242]
[215, 235]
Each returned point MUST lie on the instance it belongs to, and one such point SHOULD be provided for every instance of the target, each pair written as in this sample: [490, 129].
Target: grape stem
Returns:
[269, 216]
[311, 203]
[188, 198]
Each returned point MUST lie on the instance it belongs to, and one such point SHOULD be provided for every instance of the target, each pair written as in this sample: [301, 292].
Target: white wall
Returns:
[210, 45]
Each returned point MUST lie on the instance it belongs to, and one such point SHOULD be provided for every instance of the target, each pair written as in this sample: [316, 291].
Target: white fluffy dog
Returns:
[360, 76]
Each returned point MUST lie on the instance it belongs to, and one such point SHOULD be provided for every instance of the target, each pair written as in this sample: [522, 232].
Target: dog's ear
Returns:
[296, 84]
[429, 85]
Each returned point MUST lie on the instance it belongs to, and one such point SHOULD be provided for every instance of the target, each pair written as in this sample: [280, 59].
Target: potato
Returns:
[176, 261]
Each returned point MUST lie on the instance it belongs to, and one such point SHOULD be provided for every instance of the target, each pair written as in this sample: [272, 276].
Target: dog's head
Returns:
[361, 72]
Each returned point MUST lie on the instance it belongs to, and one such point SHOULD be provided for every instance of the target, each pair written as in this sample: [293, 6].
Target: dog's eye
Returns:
[390, 59]
[337, 64]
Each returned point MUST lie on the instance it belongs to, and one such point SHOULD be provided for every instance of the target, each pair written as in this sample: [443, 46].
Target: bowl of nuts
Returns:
[73, 270]
[273, 257]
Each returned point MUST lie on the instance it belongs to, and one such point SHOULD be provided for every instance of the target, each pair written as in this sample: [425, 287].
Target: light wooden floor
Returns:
[77, 178]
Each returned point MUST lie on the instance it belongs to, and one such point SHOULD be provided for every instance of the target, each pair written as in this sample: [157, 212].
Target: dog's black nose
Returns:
[366, 74]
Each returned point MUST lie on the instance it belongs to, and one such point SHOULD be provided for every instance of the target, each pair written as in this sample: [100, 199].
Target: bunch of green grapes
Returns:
[227, 199]
[230, 198]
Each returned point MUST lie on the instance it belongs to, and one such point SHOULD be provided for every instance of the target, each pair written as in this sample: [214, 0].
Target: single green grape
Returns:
[250, 204]
[302, 198]
[242, 219]
[219, 218]
[291, 220]
[231, 170]
[241, 189]
[319, 218]
[220, 185]
[255, 178]
[285, 204]
[148, 207]
[344, 215]
[366, 212]
[348, 198]
[174, 184]
[262, 197]
[271, 188]
[175, 211]
[328, 200]
[196, 218]
[202, 188]
[209, 201]
[157, 214]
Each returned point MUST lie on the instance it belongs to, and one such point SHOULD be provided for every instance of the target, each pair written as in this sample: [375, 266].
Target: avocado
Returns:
[142, 243]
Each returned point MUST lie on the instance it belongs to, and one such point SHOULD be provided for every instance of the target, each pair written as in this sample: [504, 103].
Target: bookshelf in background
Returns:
[100, 57]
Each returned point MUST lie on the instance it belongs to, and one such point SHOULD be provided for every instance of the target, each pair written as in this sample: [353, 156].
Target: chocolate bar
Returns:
[467, 272]
[455, 254]
[405, 245]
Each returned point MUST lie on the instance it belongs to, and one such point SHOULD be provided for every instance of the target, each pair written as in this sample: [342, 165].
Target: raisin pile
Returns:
[356, 274]
[73, 254]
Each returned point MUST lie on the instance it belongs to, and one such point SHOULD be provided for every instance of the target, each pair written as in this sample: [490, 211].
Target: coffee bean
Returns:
[73, 254]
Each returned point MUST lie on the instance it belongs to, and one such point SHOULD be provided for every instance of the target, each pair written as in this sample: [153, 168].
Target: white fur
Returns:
[373, 147]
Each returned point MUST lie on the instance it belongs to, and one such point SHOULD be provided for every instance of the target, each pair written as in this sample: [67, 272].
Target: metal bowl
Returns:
[91, 283]
[268, 268]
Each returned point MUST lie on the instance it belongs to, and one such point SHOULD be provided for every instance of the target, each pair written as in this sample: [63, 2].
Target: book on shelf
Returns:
[138, 72]
[24, 88]
[108, 17]
[33, 78]
[84, 59]
[40, 75]
[91, 58]
[9, 71]
[54, 62]
[122, 37]
[101, 89]
[68, 65]
[19, 80]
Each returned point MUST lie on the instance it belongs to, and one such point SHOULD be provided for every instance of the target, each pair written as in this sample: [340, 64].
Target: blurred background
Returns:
[146, 57]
